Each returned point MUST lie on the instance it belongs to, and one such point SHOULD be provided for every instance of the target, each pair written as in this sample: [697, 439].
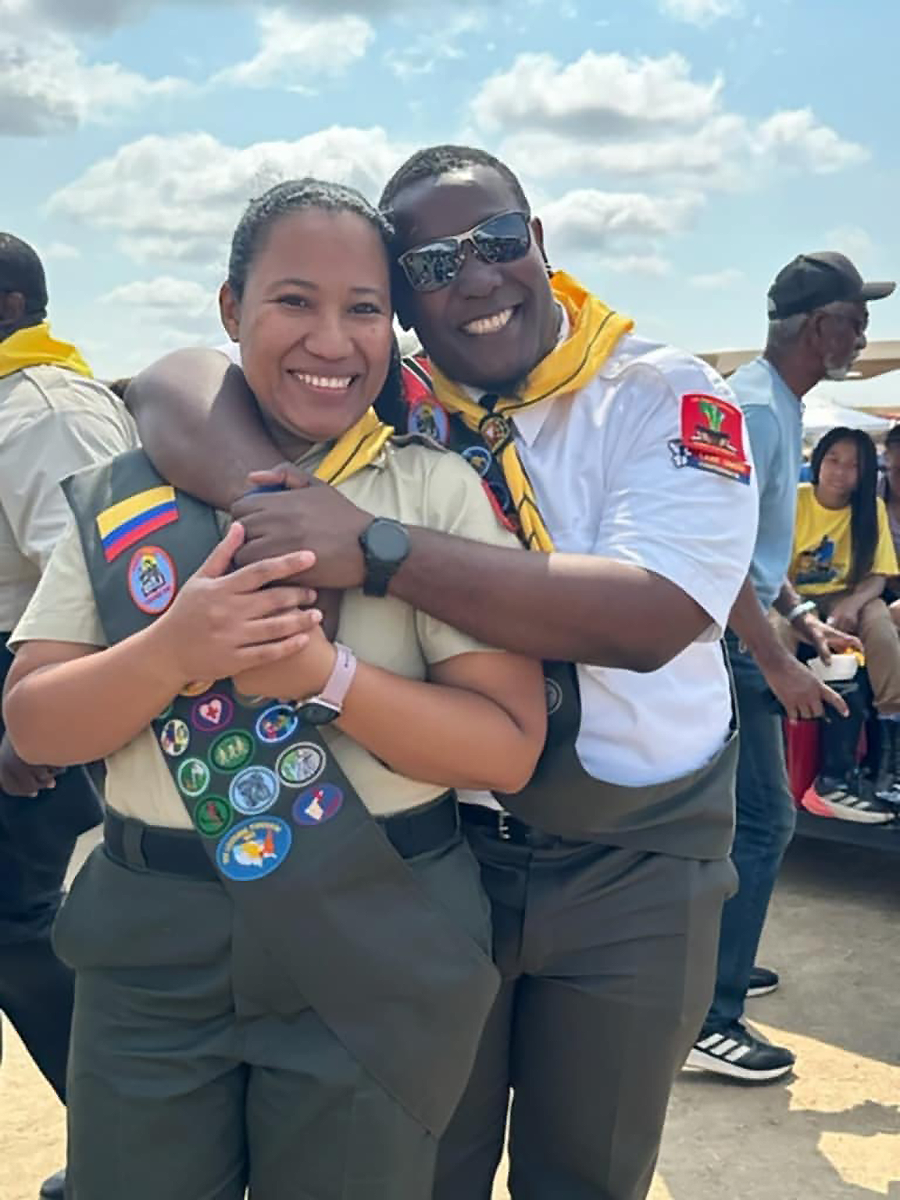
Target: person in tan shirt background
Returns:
[55, 419]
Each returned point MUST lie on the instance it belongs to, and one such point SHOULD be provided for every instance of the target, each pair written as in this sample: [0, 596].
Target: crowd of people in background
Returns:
[349, 593]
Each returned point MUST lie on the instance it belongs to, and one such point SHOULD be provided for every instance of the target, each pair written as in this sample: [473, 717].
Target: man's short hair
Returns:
[435, 161]
[22, 271]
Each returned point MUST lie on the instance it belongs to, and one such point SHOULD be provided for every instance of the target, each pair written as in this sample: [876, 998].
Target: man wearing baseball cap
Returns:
[817, 322]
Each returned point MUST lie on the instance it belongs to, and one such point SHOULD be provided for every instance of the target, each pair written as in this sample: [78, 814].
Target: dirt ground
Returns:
[832, 1133]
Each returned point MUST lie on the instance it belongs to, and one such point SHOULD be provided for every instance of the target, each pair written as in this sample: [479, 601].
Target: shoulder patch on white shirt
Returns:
[712, 437]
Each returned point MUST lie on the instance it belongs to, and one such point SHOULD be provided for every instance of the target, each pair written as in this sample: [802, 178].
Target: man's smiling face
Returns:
[493, 323]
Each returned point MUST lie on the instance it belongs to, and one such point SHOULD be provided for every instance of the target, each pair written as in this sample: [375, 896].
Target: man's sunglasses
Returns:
[434, 265]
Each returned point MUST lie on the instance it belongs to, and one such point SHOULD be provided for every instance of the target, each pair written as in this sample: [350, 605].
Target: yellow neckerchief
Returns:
[355, 449]
[594, 332]
[34, 347]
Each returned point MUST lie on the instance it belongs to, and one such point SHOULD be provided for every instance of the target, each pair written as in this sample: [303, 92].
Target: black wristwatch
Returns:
[385, 547]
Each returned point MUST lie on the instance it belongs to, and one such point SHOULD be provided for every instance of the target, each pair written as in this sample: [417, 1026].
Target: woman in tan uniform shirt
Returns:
[197, 1070]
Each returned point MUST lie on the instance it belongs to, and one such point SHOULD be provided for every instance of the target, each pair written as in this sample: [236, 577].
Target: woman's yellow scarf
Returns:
[34, 347]
[355, 449]
[594, 333]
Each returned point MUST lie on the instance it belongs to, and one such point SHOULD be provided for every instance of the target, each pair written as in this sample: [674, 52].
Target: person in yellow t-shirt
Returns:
[843, 554]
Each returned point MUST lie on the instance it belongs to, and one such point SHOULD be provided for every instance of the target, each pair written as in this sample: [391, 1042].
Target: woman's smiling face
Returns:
[314, 321]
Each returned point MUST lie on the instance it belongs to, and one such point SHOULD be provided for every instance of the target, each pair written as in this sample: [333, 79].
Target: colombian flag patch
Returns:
[127, 522]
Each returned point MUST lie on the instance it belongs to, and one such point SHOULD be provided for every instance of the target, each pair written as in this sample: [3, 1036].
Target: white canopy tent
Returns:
[821, 413]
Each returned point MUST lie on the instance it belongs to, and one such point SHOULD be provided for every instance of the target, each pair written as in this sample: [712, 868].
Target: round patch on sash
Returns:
[193, 777]
[198, 688]
[212, 713]
[554, 696]
[254, 791]
[151, 580]
[212, 816]
[479, 458]
[232, 750]
[430, 420]
[496, 431]
[174, 737]
[317, 805]
[276, 724]
[254, 849]
[301, 764]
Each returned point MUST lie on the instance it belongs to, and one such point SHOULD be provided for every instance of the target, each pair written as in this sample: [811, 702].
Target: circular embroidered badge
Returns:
[429, 419]
[554, 696]
[301, 764]
[479, 458]
[254, 790]
[276, 724]
[212, 816]
[151, 580]
[231, 750]
[174, 737]
[193, 777]
[317, 805]
[496, 431]
[211, 713]
[254, 849]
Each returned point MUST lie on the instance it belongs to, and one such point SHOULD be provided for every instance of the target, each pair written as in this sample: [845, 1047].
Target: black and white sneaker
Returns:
[762, 982]
[740, 1054]
[833, 798]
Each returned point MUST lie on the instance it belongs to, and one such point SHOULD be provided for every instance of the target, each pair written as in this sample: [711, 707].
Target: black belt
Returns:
[503, 826]
[180, 851]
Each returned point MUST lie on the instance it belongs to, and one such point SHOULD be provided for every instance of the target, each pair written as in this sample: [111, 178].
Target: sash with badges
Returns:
[343, 915]
[691, 815]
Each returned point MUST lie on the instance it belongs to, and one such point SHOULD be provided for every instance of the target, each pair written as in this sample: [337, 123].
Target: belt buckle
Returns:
[504, 833]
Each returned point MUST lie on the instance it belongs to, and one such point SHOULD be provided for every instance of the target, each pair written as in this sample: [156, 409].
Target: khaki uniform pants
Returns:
[880, 640]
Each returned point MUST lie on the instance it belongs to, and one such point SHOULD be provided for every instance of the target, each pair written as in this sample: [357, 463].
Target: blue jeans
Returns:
[765, 825]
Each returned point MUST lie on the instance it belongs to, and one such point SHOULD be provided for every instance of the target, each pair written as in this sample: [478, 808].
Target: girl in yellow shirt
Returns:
[842, 556]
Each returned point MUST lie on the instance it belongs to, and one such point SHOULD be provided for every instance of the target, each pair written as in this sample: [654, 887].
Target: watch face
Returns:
[314, 712]
[387, 541]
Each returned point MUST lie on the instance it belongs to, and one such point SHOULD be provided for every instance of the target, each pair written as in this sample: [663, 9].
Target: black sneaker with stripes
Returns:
[741, 1055]
[853, 803]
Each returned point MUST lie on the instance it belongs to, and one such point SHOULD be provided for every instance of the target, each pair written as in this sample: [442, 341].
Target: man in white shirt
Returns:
[626, 462]
[54, 420]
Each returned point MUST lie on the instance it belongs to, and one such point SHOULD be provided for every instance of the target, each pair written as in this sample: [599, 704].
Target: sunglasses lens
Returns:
[431, 267]
[504, 238]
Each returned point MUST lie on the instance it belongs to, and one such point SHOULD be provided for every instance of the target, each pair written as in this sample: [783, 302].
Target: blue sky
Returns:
[680, 151]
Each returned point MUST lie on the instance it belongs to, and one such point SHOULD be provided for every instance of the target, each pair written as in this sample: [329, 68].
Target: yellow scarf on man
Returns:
[355, 449]
[594, 332]
[35, 347]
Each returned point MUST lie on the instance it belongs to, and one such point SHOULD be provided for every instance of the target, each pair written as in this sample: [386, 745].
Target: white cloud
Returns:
[58, 251]
[850, 240]
[178, 198]
[610, 115]
[653, 265]
[591, 219]
[47, 86]
[796, 138]
[599, 95]
[293, 49]
[716, 281]
[423, 52]
[166, 298]
[700, 12]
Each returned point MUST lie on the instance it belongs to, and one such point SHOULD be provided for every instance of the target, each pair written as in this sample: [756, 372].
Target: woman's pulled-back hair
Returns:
[863, 502]
[294, 195]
